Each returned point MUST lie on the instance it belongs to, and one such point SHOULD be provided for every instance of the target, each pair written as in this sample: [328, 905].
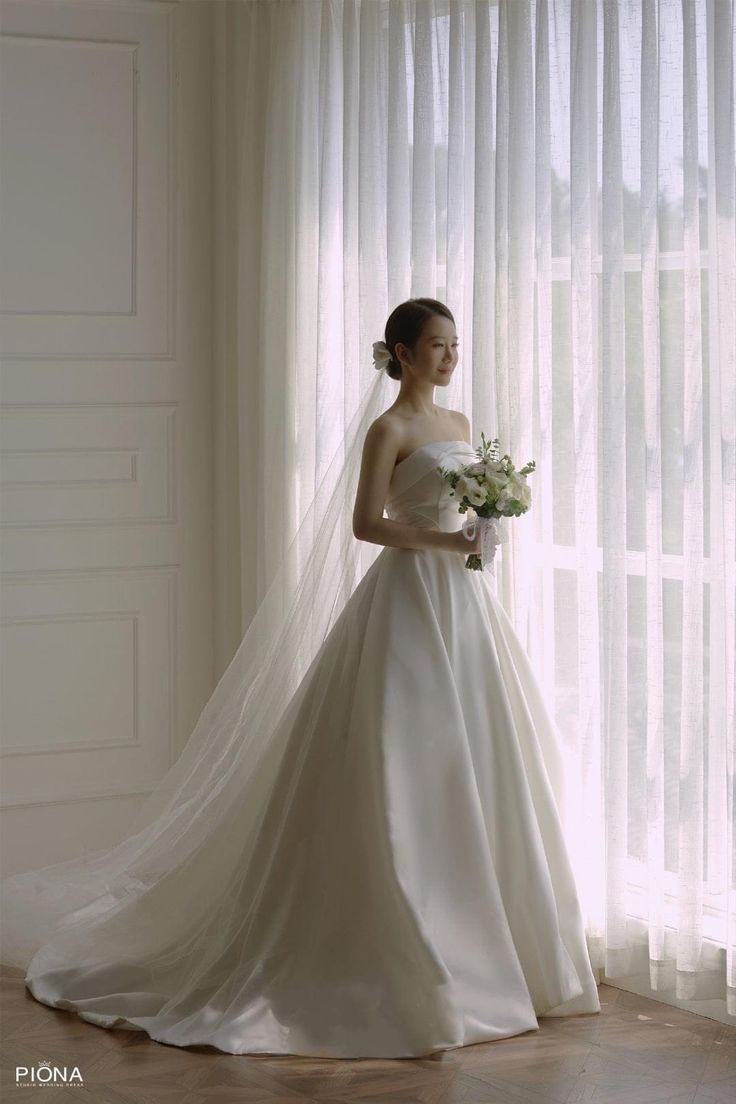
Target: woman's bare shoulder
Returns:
[463, 423]
[387, 427]
[383, 440]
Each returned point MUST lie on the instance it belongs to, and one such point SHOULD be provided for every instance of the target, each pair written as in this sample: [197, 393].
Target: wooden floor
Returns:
[635, 1050]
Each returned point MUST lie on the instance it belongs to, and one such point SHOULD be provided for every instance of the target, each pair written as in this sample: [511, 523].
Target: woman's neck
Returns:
[418, 398]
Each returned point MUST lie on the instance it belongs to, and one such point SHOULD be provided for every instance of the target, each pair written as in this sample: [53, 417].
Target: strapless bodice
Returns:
[418, 495]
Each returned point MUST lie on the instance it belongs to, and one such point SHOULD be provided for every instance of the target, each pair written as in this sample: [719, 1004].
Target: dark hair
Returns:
[405, 325]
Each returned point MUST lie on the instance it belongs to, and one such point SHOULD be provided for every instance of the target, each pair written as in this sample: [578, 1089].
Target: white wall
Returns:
[105, 411]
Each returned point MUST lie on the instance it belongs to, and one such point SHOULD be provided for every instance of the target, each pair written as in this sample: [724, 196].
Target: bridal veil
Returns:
[135, 898]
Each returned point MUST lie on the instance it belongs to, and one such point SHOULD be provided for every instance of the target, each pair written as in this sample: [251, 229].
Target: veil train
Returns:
[133, 901]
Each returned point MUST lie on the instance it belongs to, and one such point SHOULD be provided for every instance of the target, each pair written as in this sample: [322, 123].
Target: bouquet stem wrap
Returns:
[491, 535]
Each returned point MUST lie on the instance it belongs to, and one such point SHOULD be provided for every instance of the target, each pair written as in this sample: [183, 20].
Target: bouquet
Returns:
[493, 489]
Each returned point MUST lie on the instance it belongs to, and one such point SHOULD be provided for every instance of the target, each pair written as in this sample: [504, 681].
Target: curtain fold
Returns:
[561, 173]
[612, 530]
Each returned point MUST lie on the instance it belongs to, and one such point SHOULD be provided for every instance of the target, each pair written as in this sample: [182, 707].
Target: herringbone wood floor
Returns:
[636, 1050]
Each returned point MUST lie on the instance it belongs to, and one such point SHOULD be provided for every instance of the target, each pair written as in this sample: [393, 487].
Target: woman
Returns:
[360, 851]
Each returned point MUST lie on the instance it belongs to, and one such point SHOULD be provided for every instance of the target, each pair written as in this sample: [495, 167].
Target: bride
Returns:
[361, 850]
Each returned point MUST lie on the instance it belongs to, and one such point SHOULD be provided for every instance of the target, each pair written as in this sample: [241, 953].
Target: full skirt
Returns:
[409, 888]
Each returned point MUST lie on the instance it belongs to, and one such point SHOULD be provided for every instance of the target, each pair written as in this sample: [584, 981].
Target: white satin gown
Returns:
[409, 889]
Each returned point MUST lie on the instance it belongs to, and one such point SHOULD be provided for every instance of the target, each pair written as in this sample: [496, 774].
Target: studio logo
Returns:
[47, 1074]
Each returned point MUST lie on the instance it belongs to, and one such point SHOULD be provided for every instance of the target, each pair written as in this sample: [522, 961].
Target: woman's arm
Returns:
[380, 449]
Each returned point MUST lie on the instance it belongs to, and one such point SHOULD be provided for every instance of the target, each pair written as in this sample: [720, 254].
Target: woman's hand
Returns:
[460, 542]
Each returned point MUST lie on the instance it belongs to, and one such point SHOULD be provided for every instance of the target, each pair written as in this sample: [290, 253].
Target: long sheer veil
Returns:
[136, 898]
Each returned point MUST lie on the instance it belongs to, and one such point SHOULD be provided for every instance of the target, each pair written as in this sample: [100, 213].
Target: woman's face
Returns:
[436, 352]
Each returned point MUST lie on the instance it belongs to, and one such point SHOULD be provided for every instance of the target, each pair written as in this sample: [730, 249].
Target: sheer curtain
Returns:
[561, 173]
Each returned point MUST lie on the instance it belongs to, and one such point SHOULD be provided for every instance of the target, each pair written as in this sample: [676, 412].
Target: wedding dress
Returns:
[404, 886]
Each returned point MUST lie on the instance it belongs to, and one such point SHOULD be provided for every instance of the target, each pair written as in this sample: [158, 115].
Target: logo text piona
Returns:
[47, 1073]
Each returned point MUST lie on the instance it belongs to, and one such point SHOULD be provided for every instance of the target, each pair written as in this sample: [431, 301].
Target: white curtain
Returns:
[561, 174]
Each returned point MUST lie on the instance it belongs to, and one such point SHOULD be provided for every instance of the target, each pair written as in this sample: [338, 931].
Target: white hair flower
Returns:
[381, 355]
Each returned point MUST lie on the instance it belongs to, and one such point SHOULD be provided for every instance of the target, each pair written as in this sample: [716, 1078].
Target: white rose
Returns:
[496, 477]
[469, 488]
[520, 490]
[515, 491]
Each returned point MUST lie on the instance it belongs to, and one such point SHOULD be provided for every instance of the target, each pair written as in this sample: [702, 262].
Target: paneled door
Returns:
[105, 411]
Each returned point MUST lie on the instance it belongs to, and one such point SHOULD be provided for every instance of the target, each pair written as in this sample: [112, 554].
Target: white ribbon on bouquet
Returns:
[491, 535]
